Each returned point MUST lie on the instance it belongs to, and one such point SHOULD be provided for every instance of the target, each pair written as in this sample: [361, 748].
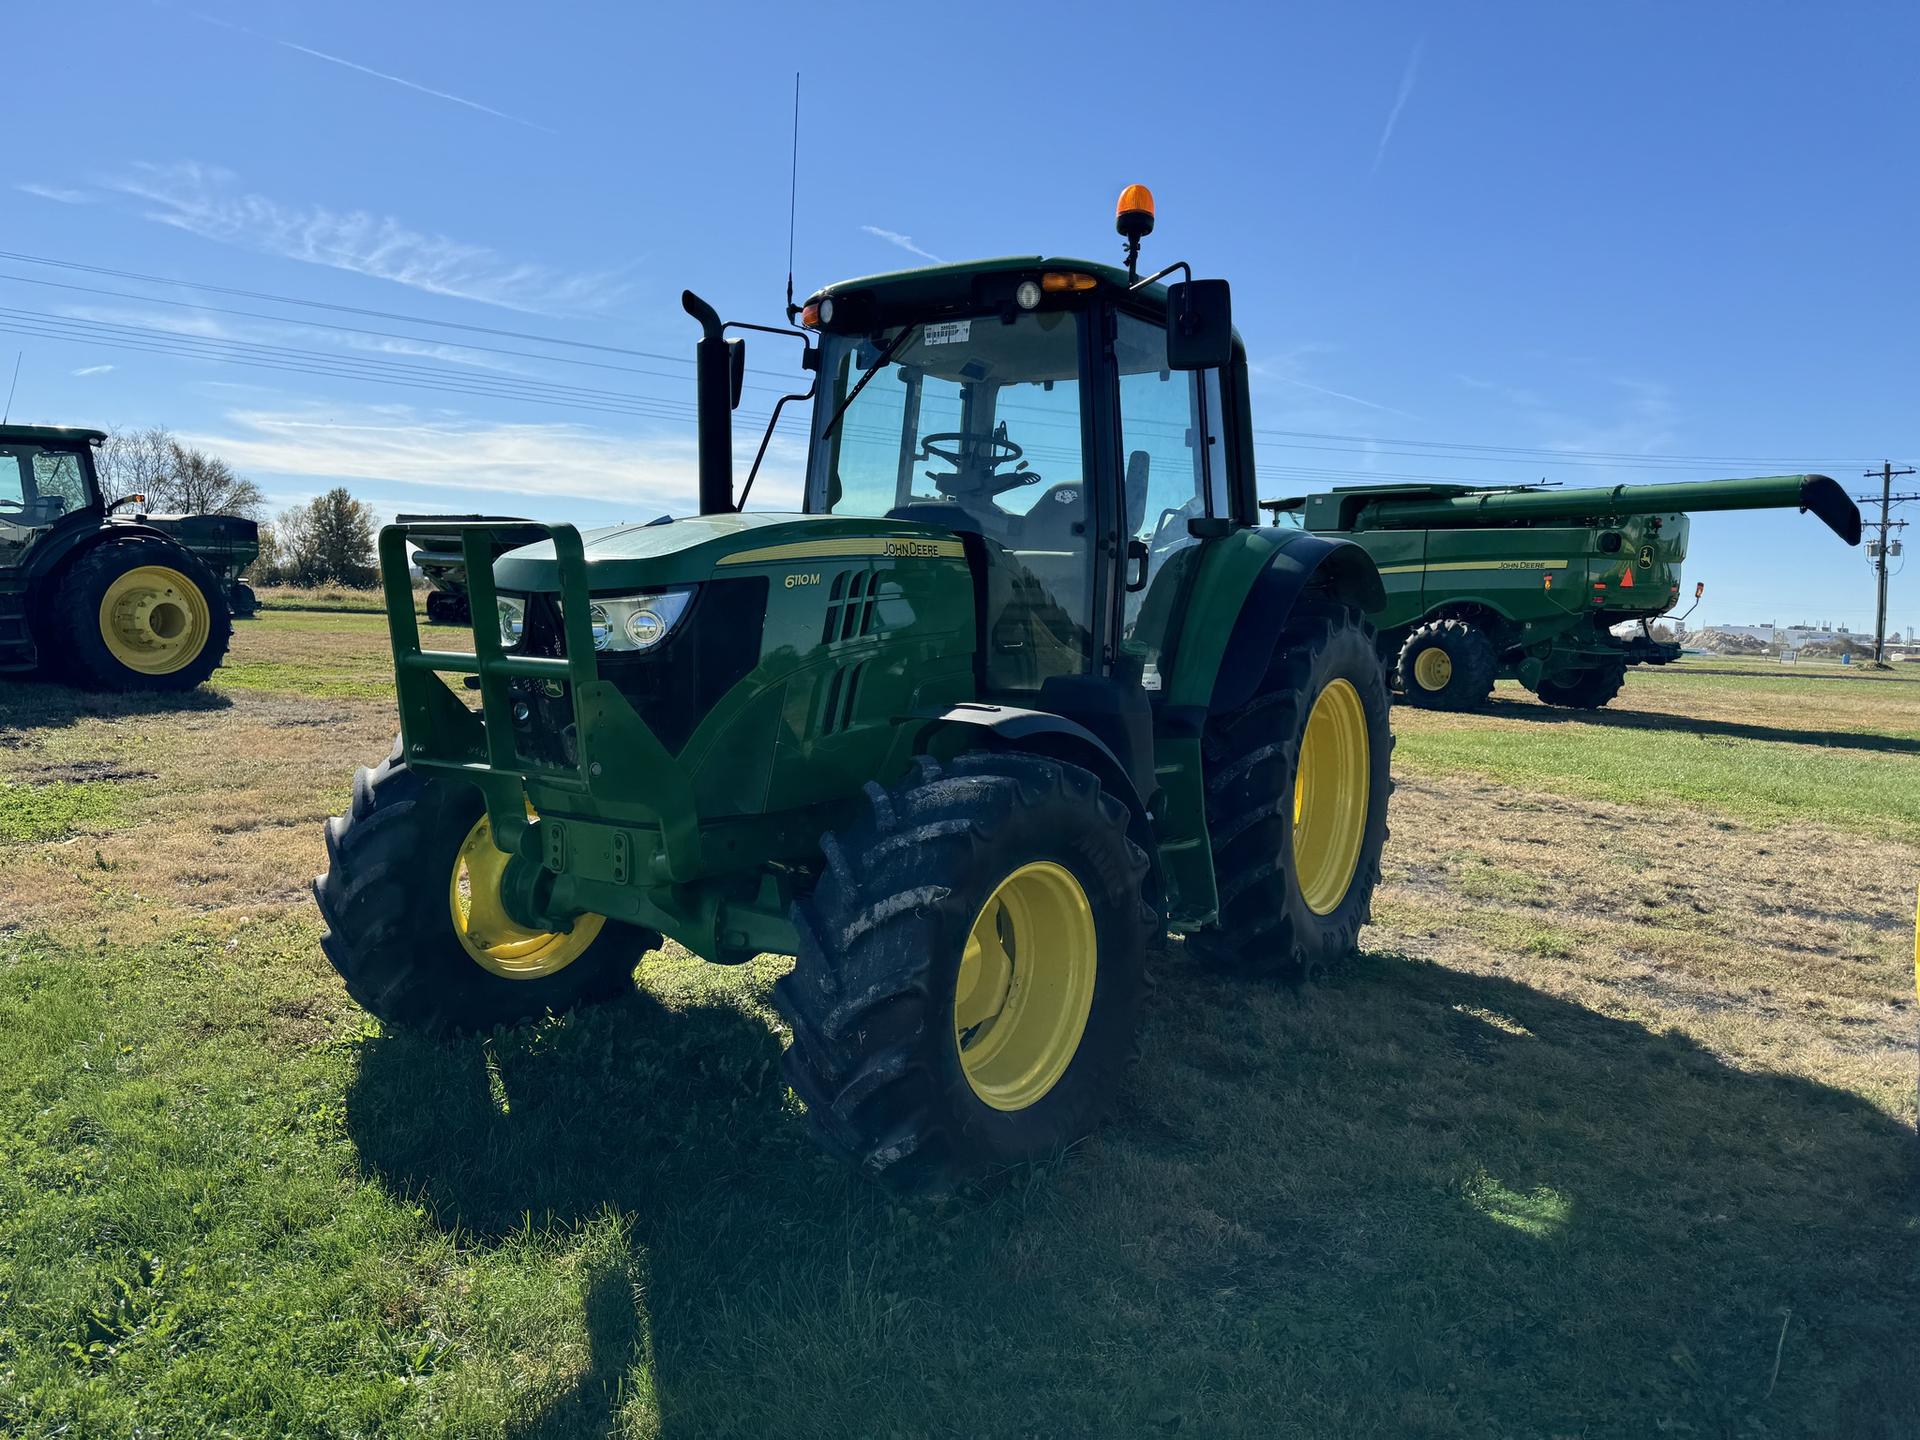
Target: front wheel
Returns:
[1297, 789]
[969, 970]
[415, 925]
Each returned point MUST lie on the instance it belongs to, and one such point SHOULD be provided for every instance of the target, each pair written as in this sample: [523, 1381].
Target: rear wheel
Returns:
[140, 615]
[1297, 789]
[1585, 689]
[415, 924]
[969, 970]
[1447, 665]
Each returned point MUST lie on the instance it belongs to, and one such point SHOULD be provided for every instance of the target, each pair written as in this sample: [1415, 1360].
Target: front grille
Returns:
[672, 686]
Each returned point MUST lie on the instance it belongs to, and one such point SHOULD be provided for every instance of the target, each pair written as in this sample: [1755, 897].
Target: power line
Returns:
[381, 334]
[1462, 450]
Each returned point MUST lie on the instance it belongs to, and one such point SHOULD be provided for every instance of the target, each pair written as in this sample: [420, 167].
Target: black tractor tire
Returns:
[78, 638]
[877, 1053]
[1588, 689]
[390, 934]
[245, 603]
[1267, 925]
[1461, 680]
[447, 607]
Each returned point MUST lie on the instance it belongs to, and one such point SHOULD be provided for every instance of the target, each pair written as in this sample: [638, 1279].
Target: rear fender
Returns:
[1240, 604]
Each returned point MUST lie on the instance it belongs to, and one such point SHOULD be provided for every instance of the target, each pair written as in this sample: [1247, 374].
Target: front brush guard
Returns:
[622, 774]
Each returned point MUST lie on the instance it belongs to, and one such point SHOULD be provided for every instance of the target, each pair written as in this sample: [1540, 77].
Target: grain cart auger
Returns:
[1528, 583]
[1022, 687]
[95, 598]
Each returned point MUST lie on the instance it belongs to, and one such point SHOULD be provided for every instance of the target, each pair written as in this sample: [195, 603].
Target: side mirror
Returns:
[736, 371]
[1199, 325]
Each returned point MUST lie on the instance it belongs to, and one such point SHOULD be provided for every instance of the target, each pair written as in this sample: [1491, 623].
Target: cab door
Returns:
[1173, 471]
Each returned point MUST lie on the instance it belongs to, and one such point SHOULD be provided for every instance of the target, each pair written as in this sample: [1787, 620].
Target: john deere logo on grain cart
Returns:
[1645, 562]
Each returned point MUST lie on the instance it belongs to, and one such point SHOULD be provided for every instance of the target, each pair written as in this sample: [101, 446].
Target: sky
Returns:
[1500, 242]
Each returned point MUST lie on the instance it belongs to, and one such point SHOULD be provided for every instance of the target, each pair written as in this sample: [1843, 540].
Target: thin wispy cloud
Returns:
[85, 370]
[59, 193]
[371, 446]
[1342, 395]
[208, 201]
[905, 242]
[1407, 78]
[391, 79]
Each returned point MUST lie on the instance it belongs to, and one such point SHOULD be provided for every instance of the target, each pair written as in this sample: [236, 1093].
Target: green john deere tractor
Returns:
[1021, 688]
[101, 600]
[1529, 584]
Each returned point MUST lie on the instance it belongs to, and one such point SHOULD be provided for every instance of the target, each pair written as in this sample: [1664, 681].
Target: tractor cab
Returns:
[46, 476]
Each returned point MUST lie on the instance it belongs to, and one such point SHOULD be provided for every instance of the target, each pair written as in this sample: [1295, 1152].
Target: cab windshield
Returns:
[974, 425]
[976, 418]
[40, 484]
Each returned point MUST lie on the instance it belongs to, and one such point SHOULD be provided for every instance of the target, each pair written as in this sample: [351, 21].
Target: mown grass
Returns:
[43, 812]
[1609, 1132]
[1762, 750]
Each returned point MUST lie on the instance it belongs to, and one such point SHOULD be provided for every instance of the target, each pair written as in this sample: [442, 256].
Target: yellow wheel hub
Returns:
[486, 932]
[155, 620]
[1026, 985]
[1330, 797]
[1432, 668]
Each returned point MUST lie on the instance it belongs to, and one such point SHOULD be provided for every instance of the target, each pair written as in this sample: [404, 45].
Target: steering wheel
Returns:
[992, 452]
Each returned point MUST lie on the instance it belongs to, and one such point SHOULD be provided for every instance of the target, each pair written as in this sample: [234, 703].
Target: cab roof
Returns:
[67, 434]
[940, 280]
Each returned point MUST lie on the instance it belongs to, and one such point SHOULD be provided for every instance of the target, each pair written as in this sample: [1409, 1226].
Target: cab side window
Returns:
[57, 480]
[1174, 448]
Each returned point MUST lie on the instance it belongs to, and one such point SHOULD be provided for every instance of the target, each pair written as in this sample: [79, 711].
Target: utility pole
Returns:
[1887, 501]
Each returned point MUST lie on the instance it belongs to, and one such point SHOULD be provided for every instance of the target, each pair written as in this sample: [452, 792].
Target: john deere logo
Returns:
[1646, 557]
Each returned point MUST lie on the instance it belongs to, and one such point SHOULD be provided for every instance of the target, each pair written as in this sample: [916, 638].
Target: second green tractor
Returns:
[1019, 688]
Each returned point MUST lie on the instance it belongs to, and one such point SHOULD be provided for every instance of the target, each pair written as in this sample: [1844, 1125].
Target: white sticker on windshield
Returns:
[947, 332]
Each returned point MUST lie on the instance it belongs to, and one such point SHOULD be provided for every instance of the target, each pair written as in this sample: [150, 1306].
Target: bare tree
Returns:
[197, 483]
[174, 477]
[134, 462]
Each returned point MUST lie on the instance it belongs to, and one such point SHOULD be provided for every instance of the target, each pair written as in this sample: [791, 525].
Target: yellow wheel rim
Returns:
[1433, 668]
[485, 930]
[155, 620]
[1026, 985]
[1330, 797]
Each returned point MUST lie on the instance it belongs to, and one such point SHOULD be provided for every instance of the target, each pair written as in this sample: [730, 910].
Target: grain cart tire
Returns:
[139, 616]
[1447, 665]
[444, 607]
[969, 972]
[246, 604]
[1297, 790]
[411, 902]
[1587, 689]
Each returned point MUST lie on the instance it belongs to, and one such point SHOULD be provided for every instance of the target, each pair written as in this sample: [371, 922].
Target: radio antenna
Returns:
[793, 197]
[7, 415]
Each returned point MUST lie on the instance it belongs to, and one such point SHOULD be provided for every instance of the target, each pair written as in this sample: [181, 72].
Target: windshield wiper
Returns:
[878, 365]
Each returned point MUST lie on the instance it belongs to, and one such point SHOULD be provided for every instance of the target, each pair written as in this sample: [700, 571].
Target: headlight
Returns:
[513, 621]
[636, 622]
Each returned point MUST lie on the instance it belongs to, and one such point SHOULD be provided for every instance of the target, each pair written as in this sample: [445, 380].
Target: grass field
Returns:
[1609, 1131]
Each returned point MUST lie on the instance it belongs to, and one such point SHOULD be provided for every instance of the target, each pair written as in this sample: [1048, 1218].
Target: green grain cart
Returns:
[1021, 687]
[1528, 583]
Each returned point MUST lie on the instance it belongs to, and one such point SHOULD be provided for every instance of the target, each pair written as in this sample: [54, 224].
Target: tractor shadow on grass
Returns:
[32, 704]
[1617, 719]
[1414, 1200]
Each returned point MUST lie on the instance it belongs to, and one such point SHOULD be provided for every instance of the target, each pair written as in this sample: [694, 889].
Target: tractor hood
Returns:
[623, 559]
